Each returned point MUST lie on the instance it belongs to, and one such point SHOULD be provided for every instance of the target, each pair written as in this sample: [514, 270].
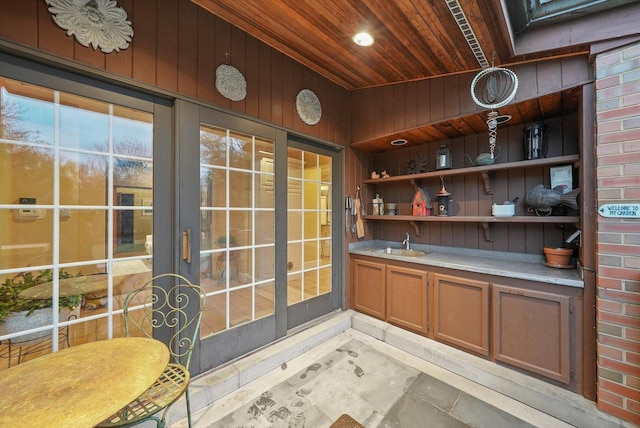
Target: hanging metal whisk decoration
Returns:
[492, 123]
[492, 88]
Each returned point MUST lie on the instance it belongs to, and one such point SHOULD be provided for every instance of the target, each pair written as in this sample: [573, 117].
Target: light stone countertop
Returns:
[510, 265]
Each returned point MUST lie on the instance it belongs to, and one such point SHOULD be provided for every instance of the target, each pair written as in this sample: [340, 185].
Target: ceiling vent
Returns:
[469, 35]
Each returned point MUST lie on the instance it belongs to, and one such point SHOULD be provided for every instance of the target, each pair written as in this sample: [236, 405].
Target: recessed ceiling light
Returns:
[399, 142]
[363, 39]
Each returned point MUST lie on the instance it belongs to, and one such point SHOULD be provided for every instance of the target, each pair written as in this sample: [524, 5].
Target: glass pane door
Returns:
[228, 207]
[76, 214]
[308, 225]
[237, 233]
[313, 285]
[259, 212]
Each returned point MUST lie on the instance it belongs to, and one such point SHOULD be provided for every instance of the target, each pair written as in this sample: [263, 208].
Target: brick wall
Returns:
[618, 246]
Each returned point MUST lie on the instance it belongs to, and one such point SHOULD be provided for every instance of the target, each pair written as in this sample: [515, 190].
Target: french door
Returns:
[255, 221]
[100, 183]
[312, 270]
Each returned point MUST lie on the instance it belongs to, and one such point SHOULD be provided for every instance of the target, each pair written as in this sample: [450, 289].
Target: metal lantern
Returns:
[536, 142]
[443, 157]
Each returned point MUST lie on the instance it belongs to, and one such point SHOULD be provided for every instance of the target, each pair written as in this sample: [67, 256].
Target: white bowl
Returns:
[506, 210]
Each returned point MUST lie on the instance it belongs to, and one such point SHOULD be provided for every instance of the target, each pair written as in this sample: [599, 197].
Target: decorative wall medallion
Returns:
[231, 83]
[308, 107]
[99, 23]
[416, 164]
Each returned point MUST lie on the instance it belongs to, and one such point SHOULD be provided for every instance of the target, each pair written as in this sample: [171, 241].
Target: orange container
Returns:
[558, 256]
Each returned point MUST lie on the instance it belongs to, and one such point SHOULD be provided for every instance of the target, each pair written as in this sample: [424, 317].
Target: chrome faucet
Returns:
[406, 241]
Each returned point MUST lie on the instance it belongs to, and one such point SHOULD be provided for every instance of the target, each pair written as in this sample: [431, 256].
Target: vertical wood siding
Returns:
[177, 46]
[467, 191]
[409, 105]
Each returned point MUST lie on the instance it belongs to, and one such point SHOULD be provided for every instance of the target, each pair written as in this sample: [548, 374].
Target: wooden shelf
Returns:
[482, 170]
[477, 219]
[478, 169]
[484, 221]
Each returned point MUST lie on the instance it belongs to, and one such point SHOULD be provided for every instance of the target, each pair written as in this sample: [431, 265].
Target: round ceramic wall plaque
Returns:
[231, 83]
[308, 107]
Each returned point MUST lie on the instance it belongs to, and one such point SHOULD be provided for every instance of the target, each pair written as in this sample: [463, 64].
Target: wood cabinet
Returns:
[528, 325]
[407, 298]
[461, 313]
[392, 293]
[531, 330]
[369, 291]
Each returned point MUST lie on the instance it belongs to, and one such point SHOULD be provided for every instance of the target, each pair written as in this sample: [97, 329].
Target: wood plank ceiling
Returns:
[414, 39]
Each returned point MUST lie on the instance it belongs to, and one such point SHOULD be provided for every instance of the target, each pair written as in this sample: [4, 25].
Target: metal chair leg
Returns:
[186, 396]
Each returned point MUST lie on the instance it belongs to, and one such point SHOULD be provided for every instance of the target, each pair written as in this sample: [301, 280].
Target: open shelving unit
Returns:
[484, 171]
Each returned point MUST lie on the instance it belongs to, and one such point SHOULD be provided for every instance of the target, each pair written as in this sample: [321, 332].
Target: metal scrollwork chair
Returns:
[167, 302]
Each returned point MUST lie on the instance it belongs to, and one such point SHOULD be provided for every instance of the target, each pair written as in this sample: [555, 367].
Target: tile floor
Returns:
[383, 377]
[371, 386]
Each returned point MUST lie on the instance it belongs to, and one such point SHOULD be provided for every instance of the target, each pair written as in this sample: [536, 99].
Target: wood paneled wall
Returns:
[390, 109]
[177, 46]
[468, 191]
[385, 110]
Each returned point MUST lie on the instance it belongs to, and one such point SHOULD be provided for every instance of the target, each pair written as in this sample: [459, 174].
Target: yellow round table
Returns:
[80, 386]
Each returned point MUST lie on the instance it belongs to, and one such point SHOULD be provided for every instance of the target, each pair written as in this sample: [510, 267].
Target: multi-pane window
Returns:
[75, 215]
[308, 225]
[237, 232]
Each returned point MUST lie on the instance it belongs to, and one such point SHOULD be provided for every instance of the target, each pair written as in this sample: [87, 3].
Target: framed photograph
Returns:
[562, 178]
[147, 202]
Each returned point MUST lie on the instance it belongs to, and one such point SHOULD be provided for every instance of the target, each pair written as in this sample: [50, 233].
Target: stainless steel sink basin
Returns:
[401, 252]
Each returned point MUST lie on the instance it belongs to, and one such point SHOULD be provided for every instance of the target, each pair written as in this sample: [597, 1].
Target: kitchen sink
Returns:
[400, 252]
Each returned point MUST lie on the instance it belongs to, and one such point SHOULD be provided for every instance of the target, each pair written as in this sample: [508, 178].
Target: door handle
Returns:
[186, 245]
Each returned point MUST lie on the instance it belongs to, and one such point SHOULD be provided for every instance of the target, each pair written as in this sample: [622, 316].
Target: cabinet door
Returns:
[407, 298]
[461, 313]
[369, 288]
[531, 331]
